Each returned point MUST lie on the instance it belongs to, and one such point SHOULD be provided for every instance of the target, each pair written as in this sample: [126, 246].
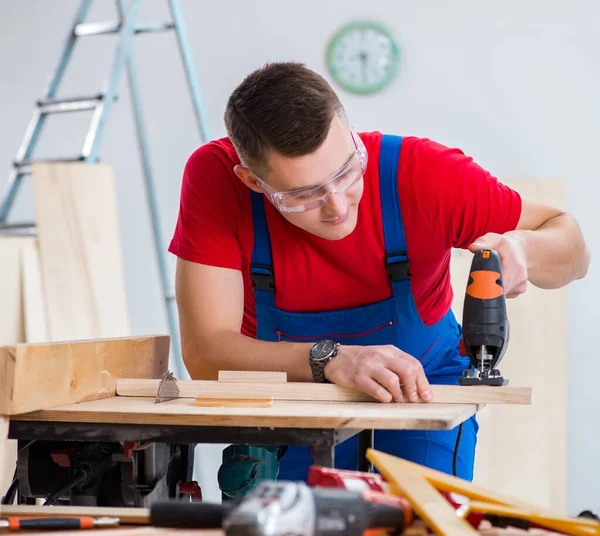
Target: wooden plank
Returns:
[12, 331]
[4, 421]
[34, 303]
[208, 401]
[445, 482]
[442, 394]
[577, 526]
[76, 213]
[283, 414]
[427, 502]
[256, 376]
[134, 516]
[148, 530]
[12, 325]
[52, 374]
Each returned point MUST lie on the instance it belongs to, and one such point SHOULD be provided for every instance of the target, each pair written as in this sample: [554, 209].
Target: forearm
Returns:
[556, 252]
[205, 356]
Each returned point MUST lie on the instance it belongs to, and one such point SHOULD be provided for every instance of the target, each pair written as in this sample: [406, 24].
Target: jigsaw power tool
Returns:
[485, 326]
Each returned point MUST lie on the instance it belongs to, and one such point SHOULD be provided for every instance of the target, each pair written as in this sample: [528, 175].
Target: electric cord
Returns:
[80, 476]
[455, 457]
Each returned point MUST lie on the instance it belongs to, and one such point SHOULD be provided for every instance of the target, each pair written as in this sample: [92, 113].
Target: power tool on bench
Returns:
[105, 473]
[282, 508]
[485, 326]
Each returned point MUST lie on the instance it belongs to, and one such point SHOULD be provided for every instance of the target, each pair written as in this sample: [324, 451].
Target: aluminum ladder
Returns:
[126, 27]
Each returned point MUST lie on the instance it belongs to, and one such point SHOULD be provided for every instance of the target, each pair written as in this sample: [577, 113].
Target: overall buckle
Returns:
[262, 277]
[398, 267]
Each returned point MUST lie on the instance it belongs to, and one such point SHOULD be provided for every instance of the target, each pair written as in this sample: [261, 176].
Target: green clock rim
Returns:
[361, 25]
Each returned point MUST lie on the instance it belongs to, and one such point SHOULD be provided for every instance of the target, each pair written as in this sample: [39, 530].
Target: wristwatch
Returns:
[321, 354]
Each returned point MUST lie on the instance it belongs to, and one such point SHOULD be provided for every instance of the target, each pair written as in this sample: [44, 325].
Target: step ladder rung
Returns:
[24, 166]
[69, 104]
[17, 226]
[110, 27]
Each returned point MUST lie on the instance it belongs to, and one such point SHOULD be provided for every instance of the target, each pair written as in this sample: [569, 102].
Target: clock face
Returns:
[362, 57]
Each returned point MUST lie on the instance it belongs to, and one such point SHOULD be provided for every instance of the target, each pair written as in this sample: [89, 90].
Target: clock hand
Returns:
[363, 65]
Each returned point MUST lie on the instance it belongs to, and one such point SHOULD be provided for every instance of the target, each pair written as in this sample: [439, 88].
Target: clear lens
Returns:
[317, 195]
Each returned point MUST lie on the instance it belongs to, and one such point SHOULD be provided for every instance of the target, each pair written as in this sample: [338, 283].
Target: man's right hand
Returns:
[384, 372]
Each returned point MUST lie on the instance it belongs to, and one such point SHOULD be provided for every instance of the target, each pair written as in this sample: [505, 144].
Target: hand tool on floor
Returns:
[279, 508]
[58, 523]
[485, 325]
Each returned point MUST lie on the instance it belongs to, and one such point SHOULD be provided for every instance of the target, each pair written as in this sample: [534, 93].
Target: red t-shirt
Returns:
[446, 199]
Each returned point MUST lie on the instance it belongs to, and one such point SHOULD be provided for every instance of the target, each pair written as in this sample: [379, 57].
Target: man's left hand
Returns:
[514, 261]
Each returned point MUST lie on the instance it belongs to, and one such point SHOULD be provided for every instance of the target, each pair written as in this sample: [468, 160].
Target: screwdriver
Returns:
[57, 523]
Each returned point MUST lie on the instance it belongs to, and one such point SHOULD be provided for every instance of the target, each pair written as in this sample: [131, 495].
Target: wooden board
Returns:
[12, 329]
[427, 502]
[396, 469]
[46, 375]
[208, 401]
[34, 303]
[12, 322]
[136, 516]
[536, 356]
[76, 214]
[147, 530]
[442, 394]
[257, 376]
[283, 414]
[4, 421]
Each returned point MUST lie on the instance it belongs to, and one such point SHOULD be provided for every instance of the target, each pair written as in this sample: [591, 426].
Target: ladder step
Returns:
[24, 166]
[102, 28]
[69, 104]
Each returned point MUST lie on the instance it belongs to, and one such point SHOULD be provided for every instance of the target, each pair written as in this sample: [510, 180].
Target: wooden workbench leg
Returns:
[366, 441]
[324, 455]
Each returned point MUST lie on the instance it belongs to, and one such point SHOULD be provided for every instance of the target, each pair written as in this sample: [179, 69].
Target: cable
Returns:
[455, 457]
[80, 476]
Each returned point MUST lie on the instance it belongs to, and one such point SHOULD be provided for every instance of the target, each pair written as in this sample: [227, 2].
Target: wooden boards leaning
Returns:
[442, 394]
[80, 252]
[46, 375]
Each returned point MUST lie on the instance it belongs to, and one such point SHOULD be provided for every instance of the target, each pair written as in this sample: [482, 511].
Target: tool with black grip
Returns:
[485, 323]
[281, 508]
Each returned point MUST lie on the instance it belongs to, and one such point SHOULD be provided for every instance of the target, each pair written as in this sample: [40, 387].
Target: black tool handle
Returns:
[188, 515]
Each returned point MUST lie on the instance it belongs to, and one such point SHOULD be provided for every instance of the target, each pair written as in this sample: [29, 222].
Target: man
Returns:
[306, 247]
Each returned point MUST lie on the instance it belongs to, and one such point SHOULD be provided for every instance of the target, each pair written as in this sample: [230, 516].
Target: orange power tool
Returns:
[485, 323]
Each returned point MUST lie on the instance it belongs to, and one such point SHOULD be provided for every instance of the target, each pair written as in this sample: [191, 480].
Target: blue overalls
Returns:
[437, 346]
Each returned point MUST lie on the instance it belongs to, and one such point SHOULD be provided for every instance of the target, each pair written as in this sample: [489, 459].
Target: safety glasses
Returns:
[316, 195]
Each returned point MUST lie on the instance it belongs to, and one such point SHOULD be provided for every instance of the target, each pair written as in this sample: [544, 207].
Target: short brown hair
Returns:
[283, 106]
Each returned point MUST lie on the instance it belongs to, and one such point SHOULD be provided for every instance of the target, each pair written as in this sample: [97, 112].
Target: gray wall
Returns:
[515, 84]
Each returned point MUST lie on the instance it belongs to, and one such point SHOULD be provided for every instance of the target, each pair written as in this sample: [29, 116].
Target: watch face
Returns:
[322, 349]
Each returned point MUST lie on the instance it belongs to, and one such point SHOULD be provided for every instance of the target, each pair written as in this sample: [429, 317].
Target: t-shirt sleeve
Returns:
[461, 200]
[206, 229]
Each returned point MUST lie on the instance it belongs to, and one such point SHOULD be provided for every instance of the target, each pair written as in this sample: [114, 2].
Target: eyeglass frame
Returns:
[276, 197]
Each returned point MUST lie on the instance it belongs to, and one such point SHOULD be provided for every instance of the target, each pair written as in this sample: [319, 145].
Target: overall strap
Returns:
[393, 230]
[261, 266]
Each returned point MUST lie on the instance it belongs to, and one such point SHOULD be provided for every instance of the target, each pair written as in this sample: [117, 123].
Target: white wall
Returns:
[514, 83]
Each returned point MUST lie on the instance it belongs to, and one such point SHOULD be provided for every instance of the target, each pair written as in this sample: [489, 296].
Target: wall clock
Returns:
[363, 57]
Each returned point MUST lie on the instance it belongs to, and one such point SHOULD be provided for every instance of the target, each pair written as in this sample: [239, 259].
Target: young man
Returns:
[296, 234]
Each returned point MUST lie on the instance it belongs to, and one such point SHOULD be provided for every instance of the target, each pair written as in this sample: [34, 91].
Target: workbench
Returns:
[321, 426]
